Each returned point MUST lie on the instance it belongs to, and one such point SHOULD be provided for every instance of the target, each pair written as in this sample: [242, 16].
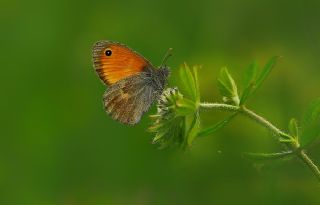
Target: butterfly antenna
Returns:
[166, 56]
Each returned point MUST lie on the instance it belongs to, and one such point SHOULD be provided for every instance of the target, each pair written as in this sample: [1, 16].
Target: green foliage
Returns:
[193, 128]
[266, 71]
[196, 83]
[177, 120]
[268, 156]
[219, 125]
[169, 122]
[190, 84]
[292, 138]
[228, 87]
[177, 111]
[249, 81]
[310, 124]
[293, 128]
[253, 80]
[184, 106]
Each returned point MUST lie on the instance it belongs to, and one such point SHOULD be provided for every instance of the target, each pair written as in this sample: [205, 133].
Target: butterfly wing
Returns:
[128, 99]
[114, 61]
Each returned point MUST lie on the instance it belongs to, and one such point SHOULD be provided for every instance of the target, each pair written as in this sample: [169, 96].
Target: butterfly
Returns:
[133, 82]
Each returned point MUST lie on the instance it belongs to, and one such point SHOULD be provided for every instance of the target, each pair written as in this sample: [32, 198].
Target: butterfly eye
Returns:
[108, 52]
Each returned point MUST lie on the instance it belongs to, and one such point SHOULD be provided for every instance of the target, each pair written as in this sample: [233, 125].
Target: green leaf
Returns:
[188, 82]
[312, 113]
[293, 128]
[192, 123]
[268, 156]
[266, 71]
[228, 87]
[216, 127]
[196, 80]
[252, 81]
[249, 81]
[311, 124]
[287, 140]
[169, 121]
[194, 129]
[184, 107]
[250, 74]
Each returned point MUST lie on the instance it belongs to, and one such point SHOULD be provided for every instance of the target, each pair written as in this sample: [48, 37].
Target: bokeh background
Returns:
[59, 147]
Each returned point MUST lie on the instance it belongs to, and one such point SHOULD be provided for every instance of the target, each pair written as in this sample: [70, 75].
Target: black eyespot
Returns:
[108, 52]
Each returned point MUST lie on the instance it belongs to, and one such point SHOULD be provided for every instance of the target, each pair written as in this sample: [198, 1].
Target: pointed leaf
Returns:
[188, 82]
[228, 87]
[268, 156]
[250, 74]
[217, 126]
[184, 107]
[312, 113]
[196, 80]
[193, 129]
[249, 82]
[266, 71]
[311, 124]
[293, 128]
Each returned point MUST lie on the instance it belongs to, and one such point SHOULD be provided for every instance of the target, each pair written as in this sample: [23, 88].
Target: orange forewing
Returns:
[123, 62]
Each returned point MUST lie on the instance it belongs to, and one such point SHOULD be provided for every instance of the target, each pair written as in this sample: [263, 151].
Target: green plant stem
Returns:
[272, 128]
[220, 106]
[306, 159]
[262, 121]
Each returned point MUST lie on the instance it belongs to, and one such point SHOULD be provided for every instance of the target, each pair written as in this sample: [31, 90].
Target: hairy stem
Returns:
[262, 121]
[306, 159]
[220, 106]
[272, 128]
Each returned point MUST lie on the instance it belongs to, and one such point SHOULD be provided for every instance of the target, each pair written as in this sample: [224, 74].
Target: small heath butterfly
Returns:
[133, 82]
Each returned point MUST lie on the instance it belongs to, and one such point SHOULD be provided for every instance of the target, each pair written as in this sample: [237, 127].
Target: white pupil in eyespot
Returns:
[108, 52]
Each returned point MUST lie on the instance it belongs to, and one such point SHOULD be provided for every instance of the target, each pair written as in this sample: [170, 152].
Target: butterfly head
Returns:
[160, 78]
[164, 71]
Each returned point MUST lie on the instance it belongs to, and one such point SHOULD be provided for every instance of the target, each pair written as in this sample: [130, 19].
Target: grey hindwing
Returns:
[127, 100]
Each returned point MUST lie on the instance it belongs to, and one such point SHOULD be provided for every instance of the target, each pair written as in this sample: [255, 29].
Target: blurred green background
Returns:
[58, 146]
